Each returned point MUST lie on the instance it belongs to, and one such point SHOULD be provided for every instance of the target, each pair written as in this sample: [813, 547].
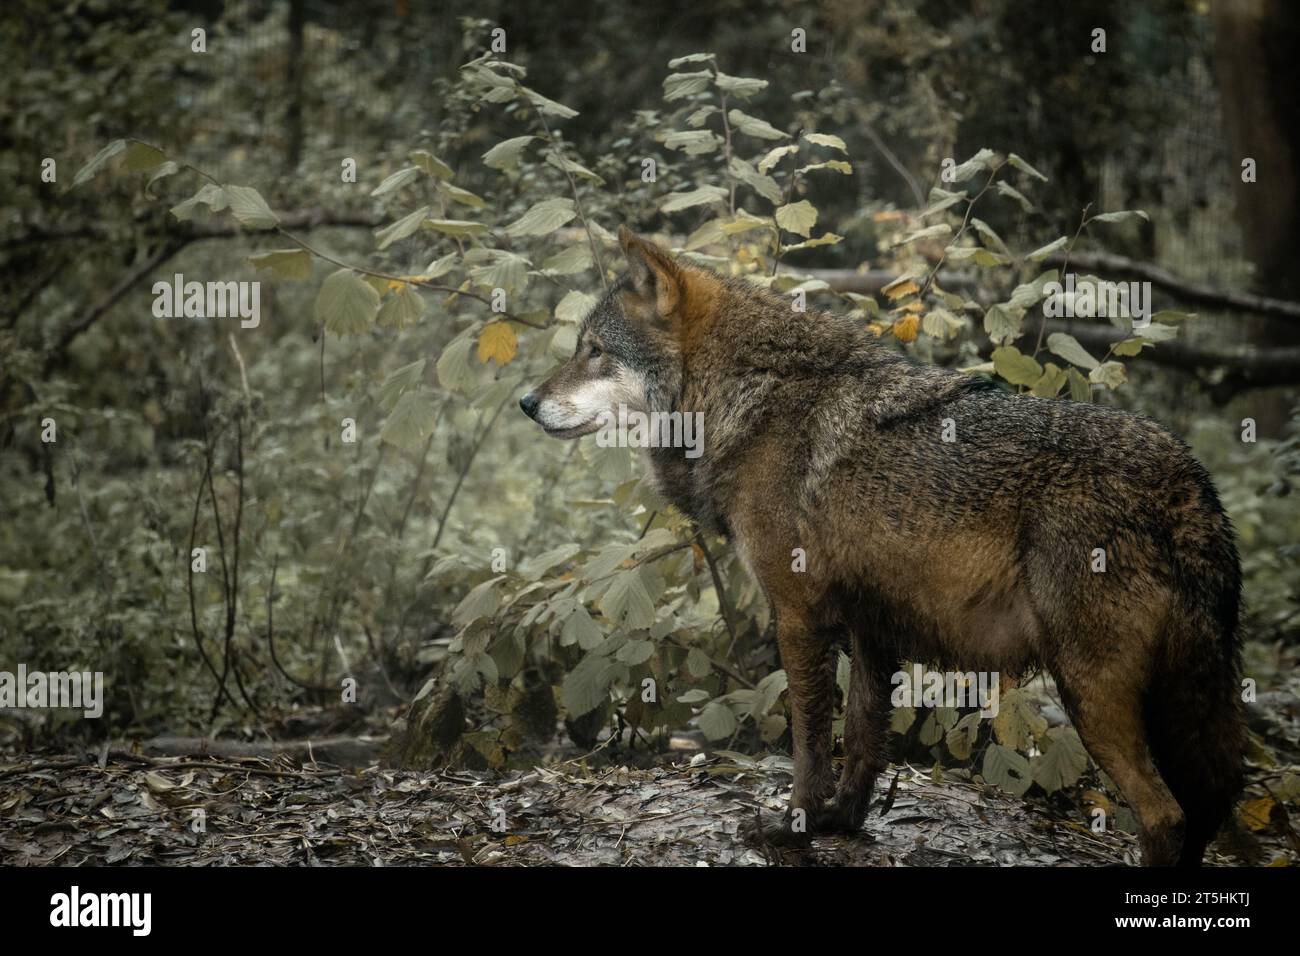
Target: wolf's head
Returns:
[629, 348]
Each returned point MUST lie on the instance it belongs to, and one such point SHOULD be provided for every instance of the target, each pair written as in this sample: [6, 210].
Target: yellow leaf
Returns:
[1257, 814]
[497, 341]
[515, 838]
[900, 287]
[905, 328]
[394, 285]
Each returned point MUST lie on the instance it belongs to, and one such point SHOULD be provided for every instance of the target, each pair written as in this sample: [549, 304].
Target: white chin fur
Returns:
[583, 405]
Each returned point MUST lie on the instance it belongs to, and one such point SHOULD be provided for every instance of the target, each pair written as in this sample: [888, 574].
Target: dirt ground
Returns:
[134, 810]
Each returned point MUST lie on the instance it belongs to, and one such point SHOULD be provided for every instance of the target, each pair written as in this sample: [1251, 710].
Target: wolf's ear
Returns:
[656, 279]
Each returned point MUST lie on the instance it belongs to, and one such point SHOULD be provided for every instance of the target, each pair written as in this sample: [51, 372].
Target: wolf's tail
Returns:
[1195, 717]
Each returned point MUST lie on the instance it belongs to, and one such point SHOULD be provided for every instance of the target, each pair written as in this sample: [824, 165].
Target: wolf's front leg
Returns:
[809, 663]
[866, 739]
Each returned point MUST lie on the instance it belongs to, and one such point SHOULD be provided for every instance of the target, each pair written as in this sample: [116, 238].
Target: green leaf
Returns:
[1012, 193]
[767, 692]
[548, 106]
[454, 371]
[580, 629]
[401, 309]
[575, 306]
[827, 139]
[346, 303]
[570, 261]
[1121, 216]
[502, 270]
[681, 61]
[141, 157]
[941, 199]
[825, 239]
[1062, 762]
[1053, 380]
[455, 227]
[1024, 167]
[798, 217]
[836, 164]
[990, 237]
[1016, 368]
[462, 196]
[248, 206]
[543, 218]
[1018, 721]
[775, 155]
[587, 686]
[534, 567]
[981, 160]
[1080, 391]
[396, 181]
[694, 142]
[400, 380]
[1068, 348]
[1002, 323]
[161, 171]
[675, 202]
[678, 86]
[635, 652]
[404, 227]
[901, 719]
[98, 162]
[961, 739]
[929, 232]
[753, 126]
[1031, 293]
[1110, 374]
[1005, 768]
[1167, 316]
[284, 263]
[482, 601]
[562, 162]
[1042, 252]
[765, 186]
[411, 421]
[717, 721]
[430, 163]
[506, 154]
[741, 87]
[977, 254]
[212, 196]
[627, 602]
[698, 664]
[941, 324]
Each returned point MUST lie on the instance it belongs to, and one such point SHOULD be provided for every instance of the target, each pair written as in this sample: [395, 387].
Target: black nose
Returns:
[529, 404]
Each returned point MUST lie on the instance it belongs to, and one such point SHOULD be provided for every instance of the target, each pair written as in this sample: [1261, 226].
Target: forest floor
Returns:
[135, 810]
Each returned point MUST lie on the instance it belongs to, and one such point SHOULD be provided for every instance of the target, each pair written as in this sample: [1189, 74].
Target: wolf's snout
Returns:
[529, 404]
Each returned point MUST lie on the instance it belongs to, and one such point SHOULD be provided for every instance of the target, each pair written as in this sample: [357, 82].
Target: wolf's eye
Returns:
[594, 351]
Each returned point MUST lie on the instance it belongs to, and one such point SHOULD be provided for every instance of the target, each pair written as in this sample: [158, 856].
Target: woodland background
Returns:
[453, 590]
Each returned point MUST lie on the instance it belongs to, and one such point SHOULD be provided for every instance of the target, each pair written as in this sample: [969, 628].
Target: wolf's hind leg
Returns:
[1115, 736]
[866, 739]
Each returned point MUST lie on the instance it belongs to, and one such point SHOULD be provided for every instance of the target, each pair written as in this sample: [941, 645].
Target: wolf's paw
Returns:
[775, 831]
[840, 816]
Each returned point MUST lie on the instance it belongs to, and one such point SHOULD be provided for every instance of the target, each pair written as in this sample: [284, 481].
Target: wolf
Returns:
[938, 518]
